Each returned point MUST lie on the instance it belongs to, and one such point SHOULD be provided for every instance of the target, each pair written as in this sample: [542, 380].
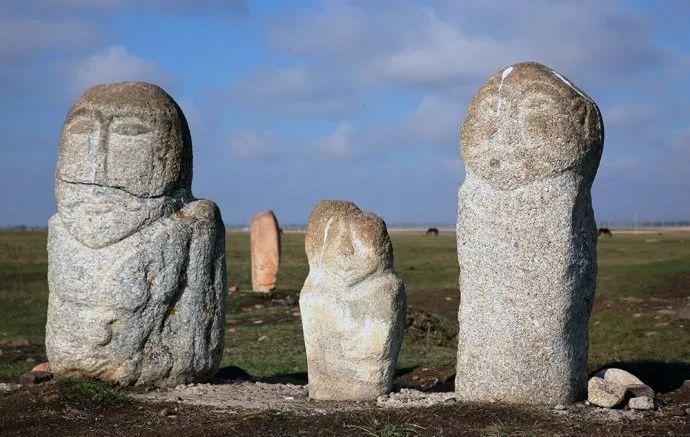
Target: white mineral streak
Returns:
[325, 236]
[505, 74]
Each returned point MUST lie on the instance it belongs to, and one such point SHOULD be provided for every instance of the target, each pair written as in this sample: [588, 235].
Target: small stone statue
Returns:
[352, 304]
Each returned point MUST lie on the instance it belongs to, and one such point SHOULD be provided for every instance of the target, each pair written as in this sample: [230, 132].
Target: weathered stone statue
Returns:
[352, 304]
[531, 142]
[136, 264]
[264, 241]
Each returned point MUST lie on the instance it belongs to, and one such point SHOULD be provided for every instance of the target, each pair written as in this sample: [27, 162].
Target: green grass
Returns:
[92, 391]
[630, 266]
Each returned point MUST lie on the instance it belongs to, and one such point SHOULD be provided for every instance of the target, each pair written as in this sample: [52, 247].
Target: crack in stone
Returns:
[93, 184]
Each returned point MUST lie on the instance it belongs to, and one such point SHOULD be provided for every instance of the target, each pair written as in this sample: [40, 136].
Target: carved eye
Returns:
[81, 126]
[131, 129]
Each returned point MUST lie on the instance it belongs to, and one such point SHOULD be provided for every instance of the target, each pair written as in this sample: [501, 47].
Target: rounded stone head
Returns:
[528, 122]
[124, 149]
[348, 243]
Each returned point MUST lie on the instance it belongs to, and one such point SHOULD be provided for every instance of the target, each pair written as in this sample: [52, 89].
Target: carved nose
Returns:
[100, 159]
[345, 244]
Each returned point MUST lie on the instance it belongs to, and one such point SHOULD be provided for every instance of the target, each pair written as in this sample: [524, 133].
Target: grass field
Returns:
[640, 317]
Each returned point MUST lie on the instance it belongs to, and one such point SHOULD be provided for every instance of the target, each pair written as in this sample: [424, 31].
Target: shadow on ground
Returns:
[661, 376]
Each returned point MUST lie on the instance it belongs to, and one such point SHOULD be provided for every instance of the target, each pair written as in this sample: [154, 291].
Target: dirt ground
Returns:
[60, 409]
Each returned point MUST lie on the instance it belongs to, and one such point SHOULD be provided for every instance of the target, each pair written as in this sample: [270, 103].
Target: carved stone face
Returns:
[528, 122]
[349, 243]
[125, 160]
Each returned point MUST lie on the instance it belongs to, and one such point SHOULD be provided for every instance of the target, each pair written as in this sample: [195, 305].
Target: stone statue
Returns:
[136, 265]
[526, 235]
[352, 304]
[264, 239]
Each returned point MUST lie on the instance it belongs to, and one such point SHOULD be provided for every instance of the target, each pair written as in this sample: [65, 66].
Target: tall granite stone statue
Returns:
[526, 235]
[352, 304]
[136, 265]
[264, 241]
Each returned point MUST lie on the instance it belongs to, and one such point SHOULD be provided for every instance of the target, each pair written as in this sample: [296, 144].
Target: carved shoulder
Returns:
[202, 210]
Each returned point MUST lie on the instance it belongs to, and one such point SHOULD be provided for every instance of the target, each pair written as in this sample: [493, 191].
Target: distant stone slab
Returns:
[526, 235]
[352, 304]
[264, 238]
[136, 264]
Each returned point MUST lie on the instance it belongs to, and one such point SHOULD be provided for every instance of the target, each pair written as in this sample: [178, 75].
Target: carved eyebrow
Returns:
[129, 125]
[84, 112]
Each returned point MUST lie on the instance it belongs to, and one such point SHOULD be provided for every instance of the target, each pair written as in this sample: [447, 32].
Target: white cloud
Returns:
[292, 91]
[442, 55]
[251, 144]
[337, 143]
[629, 115]
[455, 43]
[21, 37]
[115, 64]
[436, 120]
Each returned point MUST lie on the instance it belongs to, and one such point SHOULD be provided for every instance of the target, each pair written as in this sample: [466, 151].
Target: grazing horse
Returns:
[605, 231]
[432, 231]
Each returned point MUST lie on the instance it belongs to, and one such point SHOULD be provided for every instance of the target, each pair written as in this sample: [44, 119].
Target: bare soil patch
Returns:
[444, 302]
[58, 409]
[427, 378]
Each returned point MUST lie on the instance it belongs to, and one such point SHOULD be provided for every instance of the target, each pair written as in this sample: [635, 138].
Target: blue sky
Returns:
[293, 102]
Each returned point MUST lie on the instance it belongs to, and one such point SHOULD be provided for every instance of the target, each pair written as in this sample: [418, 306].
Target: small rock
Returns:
[43, 367]
[636, 315]
[6, 387]
[651, 334]
[258, 306]
[232, 330]
[637, 390]
[641, 403]
[619, 376]
[31, 360]
[258, 322]
[49, 399]
[234, 288]
[167, 412]
[33, 378]
[687, 411]
[559, 407]
[79, 414]
[666, 312]
[263, 338]
[686, 384]
[19, 343]
[603, 393]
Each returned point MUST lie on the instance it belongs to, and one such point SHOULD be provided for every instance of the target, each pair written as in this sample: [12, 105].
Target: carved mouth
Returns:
[98, 207]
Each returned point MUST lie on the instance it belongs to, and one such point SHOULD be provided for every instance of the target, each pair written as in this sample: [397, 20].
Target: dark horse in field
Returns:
[605, 231]
[432, 231]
